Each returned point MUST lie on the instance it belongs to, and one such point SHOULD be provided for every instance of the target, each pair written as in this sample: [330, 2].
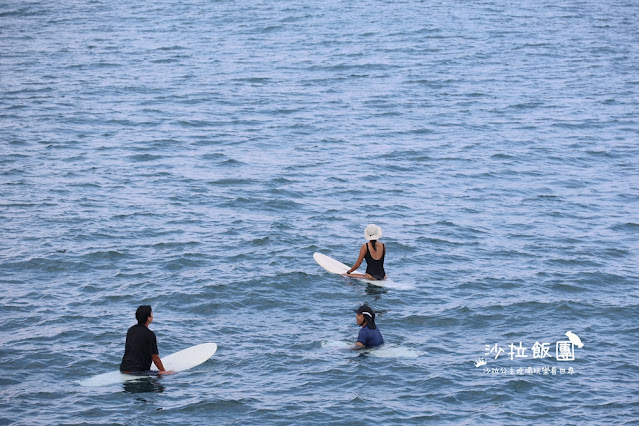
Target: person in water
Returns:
[369, 335]
[374, 252]
[141, 346]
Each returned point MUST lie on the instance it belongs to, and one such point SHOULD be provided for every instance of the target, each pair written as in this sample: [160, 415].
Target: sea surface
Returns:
[193, 155]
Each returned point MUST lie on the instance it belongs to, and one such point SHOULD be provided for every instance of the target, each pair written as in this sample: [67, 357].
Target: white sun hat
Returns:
[373, 232]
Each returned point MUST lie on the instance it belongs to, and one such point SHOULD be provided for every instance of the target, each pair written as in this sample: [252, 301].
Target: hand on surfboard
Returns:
[166, 372]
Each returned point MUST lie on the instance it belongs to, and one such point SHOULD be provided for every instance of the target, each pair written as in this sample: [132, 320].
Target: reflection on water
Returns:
[375, 290]
[145, 385]
[370, 289]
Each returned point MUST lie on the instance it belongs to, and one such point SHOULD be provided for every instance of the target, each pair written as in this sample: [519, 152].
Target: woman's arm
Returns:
[362, 253]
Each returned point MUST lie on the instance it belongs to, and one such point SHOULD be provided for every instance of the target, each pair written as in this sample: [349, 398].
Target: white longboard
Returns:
[179, 361]
[337, 267]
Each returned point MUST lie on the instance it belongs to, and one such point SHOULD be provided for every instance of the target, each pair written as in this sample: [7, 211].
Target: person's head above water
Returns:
[373, 232]
[142, 314]
[365, 315]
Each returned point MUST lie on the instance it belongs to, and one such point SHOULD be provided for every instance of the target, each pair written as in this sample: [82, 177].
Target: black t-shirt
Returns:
[140, 345]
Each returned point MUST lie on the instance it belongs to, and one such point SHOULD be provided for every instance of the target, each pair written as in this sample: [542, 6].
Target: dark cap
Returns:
[367, 311]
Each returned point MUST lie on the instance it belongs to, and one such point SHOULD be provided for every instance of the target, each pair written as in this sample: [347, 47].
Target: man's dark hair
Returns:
[142, 314]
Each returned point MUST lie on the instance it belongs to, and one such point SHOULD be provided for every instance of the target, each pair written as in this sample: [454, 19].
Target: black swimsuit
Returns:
[375, 268]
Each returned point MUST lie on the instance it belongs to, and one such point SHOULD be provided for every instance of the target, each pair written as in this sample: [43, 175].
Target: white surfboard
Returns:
[337, 267]
[330, 264]
[179, 361]
[188, 358]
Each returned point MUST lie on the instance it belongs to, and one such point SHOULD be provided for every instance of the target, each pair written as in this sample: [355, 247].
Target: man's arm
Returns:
[158, 363]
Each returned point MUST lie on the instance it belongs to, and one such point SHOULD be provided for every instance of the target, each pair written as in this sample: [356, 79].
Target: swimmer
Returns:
[374, 252]
[369, 335]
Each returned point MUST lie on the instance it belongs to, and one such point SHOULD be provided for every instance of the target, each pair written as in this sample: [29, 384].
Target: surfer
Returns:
[141, 346]
[369, 335]
[374, 252]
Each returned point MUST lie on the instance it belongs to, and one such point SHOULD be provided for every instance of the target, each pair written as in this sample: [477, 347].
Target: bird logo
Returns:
[574, 339]
[480, 362]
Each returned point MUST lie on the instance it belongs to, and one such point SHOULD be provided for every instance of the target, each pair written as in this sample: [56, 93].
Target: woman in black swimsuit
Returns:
[374, 252]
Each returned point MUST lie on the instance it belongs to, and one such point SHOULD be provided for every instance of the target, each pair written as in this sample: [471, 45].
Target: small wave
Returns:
[388, 350]
[171, 48]
[107, 255]
[253, 80]
[272, 28]
[188, 260]
[165, 61]
[395, 285]
[232, 182]
[45, 265]
[630, 226]
[393, 351]
[568, 288]
[22, 12]
[336, 344]
[194, 123]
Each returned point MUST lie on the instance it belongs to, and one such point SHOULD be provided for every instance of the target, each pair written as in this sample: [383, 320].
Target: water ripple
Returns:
[193, 156]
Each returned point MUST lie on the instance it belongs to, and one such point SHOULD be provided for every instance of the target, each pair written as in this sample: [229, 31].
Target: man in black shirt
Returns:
[141, 346]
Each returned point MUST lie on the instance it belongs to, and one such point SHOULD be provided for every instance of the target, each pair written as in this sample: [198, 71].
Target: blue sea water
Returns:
[193, 155]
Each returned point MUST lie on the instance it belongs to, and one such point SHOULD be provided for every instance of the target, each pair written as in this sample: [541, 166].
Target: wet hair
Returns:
[142, 314]
[373, 242]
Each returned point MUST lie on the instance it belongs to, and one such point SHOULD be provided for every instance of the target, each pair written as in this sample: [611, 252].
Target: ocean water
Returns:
[193, 155]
